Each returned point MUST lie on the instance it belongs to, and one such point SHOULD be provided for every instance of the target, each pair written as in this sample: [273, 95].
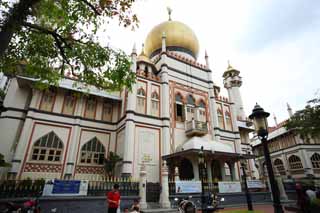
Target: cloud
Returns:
[278, 20]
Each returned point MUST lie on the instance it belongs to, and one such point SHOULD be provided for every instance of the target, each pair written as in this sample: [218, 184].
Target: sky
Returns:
[274, 44]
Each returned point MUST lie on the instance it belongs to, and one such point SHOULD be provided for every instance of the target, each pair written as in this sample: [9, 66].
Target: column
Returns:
[213, 111]
[143, 187]
[195, 169]
[306, 162]
[282, 192]
[222, 170]
[130, 126]
[164, 196]
[209, 171]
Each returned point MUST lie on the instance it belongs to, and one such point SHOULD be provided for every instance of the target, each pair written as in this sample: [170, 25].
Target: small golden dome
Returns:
[177, 34]
[143, 57]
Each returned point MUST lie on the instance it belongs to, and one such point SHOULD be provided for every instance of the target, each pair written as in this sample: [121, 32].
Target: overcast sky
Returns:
[275, 44]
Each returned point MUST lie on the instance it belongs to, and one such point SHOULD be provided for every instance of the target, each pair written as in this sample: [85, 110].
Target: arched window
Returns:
[141, 101]
[220, 118]
[155, 104]
[107, 111]
[202, 111]
[47, 100]
[228, 121]
[179, 108]
[69, 104]
[92, 152]
[47, 148]
[295, 162]
[278, 164]
[190, 107]
[315, 160]
[91, 105]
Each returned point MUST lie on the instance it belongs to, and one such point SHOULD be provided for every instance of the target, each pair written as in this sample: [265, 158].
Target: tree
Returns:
[47, 39]
[3, 163]
[111, 162]
[306, 122]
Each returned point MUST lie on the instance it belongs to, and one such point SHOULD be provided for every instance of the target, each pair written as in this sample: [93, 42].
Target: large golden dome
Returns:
[178, 35]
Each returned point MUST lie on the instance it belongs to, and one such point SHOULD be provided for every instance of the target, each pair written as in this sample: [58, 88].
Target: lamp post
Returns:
[248, 196]
[201, 169]
[259, 117]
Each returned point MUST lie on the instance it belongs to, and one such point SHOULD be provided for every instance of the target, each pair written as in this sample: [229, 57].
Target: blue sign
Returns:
[66, 187]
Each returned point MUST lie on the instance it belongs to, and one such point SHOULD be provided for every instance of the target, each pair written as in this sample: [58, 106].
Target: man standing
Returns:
[113, 199]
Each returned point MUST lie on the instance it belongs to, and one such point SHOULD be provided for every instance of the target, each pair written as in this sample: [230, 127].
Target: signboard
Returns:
[255, 184]
[188, 186]
[66, 188]
[229, 187]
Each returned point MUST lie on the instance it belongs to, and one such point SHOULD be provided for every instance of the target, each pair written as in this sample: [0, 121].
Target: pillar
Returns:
[143, 187]
[164, 196]
[195, 169]
[209, 171]
[282, 191]
[165, 105]
[128, 154]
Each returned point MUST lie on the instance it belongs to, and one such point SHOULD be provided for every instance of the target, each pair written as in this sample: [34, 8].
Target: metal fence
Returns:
[33, 188]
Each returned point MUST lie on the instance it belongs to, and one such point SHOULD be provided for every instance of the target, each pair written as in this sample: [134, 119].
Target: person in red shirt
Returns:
[113, 199]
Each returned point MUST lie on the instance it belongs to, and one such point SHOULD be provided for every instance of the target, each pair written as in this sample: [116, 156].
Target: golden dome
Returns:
[177, 34]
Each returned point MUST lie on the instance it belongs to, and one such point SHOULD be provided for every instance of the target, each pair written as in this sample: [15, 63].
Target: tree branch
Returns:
[59, 40]
[91, 6]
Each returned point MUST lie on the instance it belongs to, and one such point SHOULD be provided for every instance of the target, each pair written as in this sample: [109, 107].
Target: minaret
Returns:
[275, 119]
[206, 57]
[289, 110]
[212, 104]
[232, 82]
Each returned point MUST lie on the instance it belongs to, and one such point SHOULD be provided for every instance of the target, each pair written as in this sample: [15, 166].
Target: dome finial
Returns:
[142, 50]
[229, 66]
[169, 12]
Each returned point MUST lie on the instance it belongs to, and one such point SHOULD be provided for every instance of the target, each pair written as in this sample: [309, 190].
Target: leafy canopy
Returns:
[3, 163]
[306, 122]
[110, 163]
[47, 39]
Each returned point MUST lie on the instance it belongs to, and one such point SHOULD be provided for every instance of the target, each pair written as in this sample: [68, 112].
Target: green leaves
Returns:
[56, 37]
[2, 162]
[110, 163]
[306, 122]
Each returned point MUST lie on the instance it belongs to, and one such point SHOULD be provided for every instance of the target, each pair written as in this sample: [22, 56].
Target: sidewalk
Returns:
[263, 208]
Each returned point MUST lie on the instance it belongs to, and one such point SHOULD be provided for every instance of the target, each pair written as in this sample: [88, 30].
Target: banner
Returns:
[66, 188]
[255, 184]
[188, 186]
[229, 187]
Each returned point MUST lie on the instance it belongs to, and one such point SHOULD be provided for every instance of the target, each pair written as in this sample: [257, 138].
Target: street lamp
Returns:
[201, 171]
[259, 117]
[248, 196]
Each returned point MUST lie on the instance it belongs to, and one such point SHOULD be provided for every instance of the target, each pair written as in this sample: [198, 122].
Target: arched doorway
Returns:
[186, 170]
[216, 170]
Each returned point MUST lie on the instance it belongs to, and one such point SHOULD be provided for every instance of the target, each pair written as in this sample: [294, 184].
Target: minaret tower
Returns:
[232, 82]
[289, 110]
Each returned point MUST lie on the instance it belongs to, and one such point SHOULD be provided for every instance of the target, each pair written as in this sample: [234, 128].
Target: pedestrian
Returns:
[135, 206]
[113, 199]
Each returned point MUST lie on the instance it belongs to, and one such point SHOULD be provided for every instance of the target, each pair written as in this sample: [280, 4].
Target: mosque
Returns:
[174, 109]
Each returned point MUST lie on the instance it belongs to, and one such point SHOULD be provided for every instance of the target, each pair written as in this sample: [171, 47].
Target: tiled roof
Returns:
[187, 60]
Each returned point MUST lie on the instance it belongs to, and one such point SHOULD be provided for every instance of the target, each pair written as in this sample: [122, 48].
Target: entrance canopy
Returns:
[210, 147]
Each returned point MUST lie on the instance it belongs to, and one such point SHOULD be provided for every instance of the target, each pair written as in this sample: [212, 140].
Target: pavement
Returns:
[263, 208]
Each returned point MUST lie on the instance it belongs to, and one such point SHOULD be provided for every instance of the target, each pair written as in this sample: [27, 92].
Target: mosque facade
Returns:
[173, 110]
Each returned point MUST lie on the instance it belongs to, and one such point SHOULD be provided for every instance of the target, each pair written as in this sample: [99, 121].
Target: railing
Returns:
[20, 188]
[196, 127]
[99, 188]
[33, 188]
